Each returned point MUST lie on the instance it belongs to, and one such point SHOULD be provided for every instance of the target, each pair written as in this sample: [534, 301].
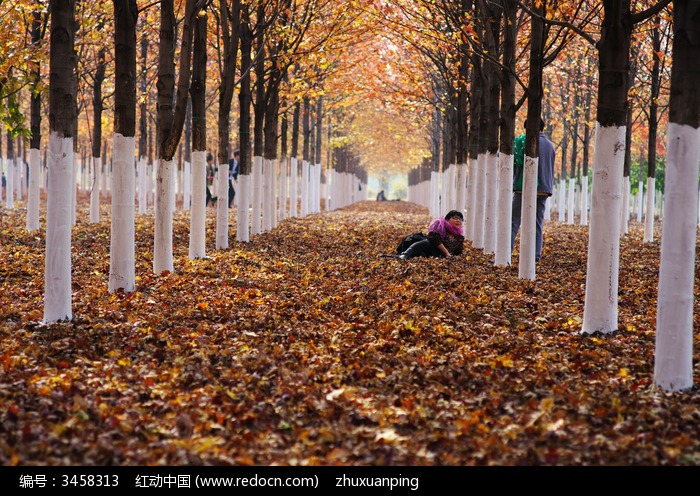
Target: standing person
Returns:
[545, 180]
[232, 176]
[211, 171]
[445, 238]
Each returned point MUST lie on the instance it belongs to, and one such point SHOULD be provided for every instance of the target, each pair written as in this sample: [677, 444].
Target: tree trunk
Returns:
[284, 162]
[526, 262]
[626, 165]
[673, 359]
[294, 162]
[436, 146]
[600, 308]
[507, 137]
[187, 160]
[170, 124]
[62, 105]
[244, 101]
[143, 130]
[271, 140]
[33, 198]
[479, 173]
[198, 89]
[97, 135]
[316, 205]
[230, 24]
[461, 145]
[306, 132]
[258, 123]
[564, 152]
[448, 135]
[472, 166]
[574, 151]
[565, 129]
[12, 184]
[123, 239]
[653, 124]
[586, 148]
[491, 157]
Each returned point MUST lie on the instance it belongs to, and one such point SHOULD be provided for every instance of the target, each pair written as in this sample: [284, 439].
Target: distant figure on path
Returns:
[545, 180]
[232, 176]
[211, 170]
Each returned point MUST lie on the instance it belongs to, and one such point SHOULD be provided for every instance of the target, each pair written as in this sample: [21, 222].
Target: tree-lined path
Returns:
[135, 308]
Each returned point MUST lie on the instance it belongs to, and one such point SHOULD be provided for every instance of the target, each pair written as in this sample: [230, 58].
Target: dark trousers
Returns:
[421, 249]
[539, 220]
[231, 193]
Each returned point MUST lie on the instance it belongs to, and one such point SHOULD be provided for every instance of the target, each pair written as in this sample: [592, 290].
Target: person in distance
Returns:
[545, 180]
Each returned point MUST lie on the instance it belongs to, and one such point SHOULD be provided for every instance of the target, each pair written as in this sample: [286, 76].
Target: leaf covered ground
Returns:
[304, 347]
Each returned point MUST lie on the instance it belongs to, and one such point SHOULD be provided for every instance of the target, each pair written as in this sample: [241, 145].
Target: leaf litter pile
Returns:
[305, 347]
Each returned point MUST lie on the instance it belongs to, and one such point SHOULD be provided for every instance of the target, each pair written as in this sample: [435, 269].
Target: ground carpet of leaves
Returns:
[304, 347]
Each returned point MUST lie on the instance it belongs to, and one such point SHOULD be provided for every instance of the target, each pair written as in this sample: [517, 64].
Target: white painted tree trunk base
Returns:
[122, 259]
[243, 209]
[503, 255]
[584, 201]
[490, 213]
[673, 364]
[528, 220]
[649, 219]
[33, 198]
[164, 208]
[222, 207]
[198, 208]
[95, 190]
[479, 202]
[57, 269]
[600, 307]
